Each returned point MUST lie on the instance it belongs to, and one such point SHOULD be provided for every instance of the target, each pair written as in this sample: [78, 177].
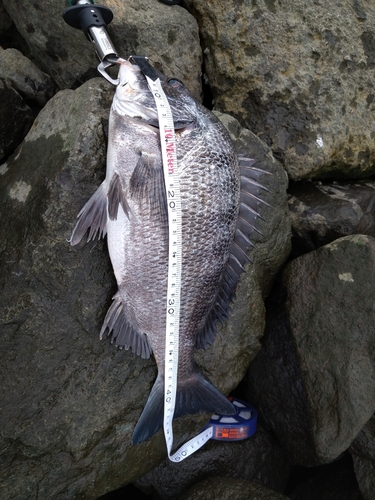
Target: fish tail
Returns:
[151, 419]
[194, 395]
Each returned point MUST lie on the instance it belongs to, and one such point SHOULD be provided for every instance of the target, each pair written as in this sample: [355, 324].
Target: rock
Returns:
[335, 481]
[5, 20]
[321, 212]
[151, 29]
[228, 488]
[258, 459]
[364, 443]
[313, 380]
[363, 452]
[15, 118]
[69, 401]
[25, 77]
[299, 76]
[365, 472]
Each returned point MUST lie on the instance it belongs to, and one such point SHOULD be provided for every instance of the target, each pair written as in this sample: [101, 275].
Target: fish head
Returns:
[133, 98]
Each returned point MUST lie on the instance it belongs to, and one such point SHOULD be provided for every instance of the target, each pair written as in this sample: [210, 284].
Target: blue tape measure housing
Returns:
[235, 427]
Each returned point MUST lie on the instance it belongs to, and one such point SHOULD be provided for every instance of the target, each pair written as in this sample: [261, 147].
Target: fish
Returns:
[220, 194]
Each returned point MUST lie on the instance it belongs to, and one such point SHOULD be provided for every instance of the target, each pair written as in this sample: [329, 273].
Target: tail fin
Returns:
[194, 395]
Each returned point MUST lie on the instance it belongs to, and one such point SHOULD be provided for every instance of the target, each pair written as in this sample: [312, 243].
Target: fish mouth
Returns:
[133, 98]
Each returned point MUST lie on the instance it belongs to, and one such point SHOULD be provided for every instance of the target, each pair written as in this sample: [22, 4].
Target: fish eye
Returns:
[175, 83]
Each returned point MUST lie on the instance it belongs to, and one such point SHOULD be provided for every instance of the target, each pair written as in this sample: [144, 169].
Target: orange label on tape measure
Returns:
[231, 433]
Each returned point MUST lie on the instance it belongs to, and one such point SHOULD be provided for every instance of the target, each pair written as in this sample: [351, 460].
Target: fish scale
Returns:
[219, 214]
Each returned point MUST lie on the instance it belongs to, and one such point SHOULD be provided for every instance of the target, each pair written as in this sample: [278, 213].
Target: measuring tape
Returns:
[241, 425]
[235, 427]
[172, 185]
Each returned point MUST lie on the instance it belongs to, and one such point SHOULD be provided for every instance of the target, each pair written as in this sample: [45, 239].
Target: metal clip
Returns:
[106, 63]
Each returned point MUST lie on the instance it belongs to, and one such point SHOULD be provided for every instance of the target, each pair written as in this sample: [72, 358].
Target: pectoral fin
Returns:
[116, 197]
[92, 217]
[147, 185]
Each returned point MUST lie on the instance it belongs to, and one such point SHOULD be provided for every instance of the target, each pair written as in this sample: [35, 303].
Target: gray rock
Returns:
[363, 452]
[335, 481]
[365, 472]
[16, 118]
[313, 380]
[298, 75]
[322, 212]
[219, 488]
[70, 402]
[364, 443]
[5, 20]
[258, 459]
[151, 29]
[25, 77]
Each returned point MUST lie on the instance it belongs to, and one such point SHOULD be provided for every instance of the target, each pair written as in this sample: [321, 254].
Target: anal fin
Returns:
[124, 334]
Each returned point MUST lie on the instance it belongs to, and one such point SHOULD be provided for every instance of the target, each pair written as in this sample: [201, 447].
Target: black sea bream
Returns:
[219, 211]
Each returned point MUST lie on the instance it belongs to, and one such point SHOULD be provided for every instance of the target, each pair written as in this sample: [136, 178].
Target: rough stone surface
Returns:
[299, 75]
[258, 459]
[149, 28]
[5, 20]
[226, 489]
[363, 452]
[364, 443]
[365, 472]
[15, 118]
[313, 382]
[335, 481]
[25, 77]
[69, 401]
[321, 212]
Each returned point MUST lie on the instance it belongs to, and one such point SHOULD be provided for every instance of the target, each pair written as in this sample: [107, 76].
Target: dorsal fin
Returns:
[247, 223]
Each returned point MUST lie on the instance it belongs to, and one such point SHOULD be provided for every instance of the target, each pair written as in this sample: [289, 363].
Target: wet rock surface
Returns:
[15, 118]
[335, 481]
[365, 473]
[25, 77]
[321, 212]
[259, 459]
[299, 76]
[363, 452]
[223, 488]
[313, 380]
